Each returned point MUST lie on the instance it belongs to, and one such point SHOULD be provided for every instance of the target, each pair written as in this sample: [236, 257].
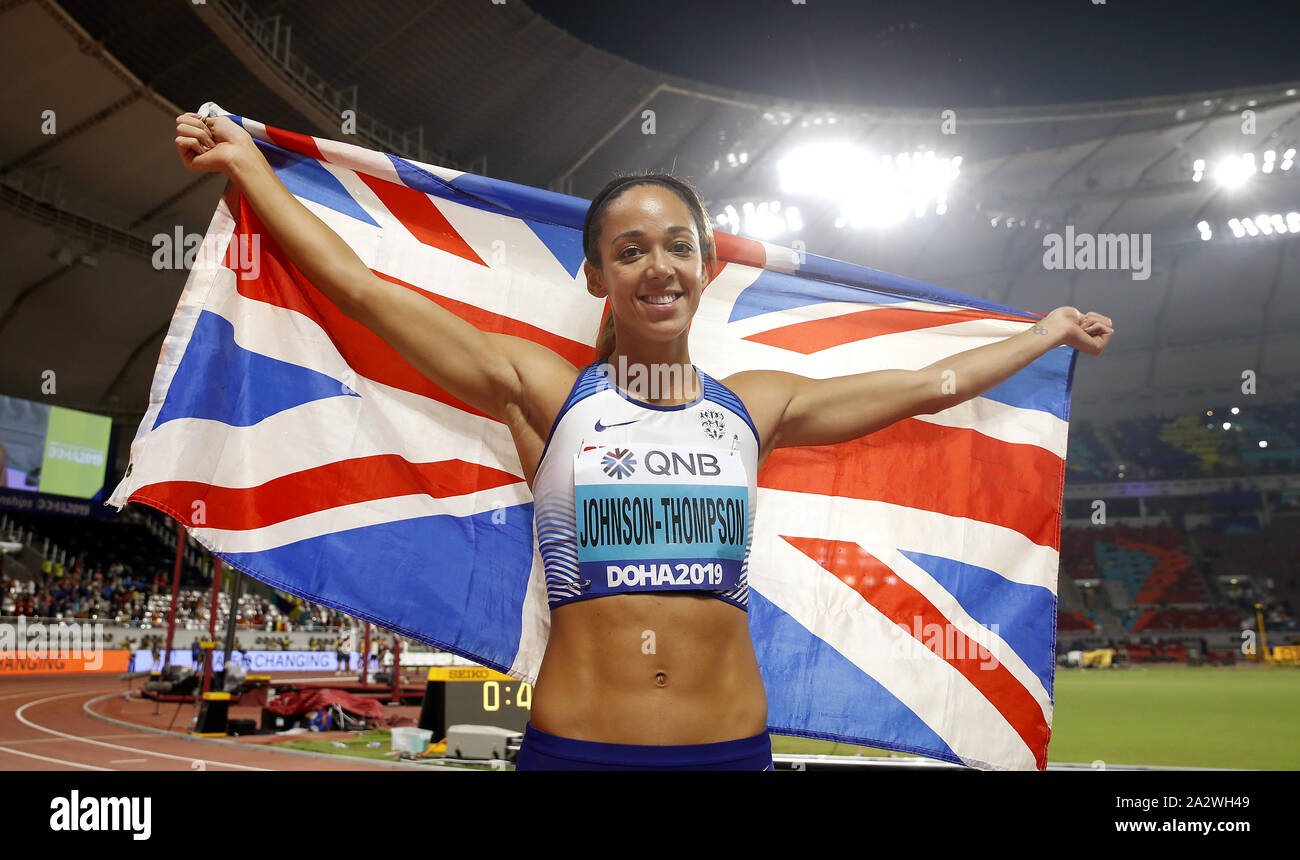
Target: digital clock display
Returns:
[506, 704]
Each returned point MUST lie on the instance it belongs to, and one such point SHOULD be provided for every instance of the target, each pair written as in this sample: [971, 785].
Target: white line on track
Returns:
[55, 760]
[19, 714]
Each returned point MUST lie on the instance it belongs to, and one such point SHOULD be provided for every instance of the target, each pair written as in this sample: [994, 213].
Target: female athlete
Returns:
[660, 672]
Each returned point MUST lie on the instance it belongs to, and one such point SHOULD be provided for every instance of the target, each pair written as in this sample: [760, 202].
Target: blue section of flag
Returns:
[563, 242]
[496, 195]
[777, 291]
[306, 178]
[432, 577]
[1017, 609]
[220, 380]
[813, 267]
[1038, 386]
[844, 700]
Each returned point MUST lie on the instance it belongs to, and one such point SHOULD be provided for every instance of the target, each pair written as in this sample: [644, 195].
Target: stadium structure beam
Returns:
[294, 81]
[1158, 337]
[634, 112]
[65, 135]
[95, 49]
[154, 336]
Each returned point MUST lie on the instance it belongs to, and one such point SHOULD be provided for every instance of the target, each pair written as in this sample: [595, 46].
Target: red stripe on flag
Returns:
[417, 212]
[738, 249]
[346, 482]
[281, 284]
[295, 142]
[949, 470]
[908, 608]
[815, 335]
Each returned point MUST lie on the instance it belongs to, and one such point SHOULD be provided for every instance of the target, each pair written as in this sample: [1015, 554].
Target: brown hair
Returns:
[595, 221]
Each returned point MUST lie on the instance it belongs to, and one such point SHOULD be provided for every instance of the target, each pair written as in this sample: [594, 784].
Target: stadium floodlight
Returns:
[869, 190]
[1249, 224]
[1204, 227]
[1233, 171]
[761, 220]
[1293, 221]
[1237, 230]
[1261, 221]
[1263, 443]
[1278, 224]
[1227, 425]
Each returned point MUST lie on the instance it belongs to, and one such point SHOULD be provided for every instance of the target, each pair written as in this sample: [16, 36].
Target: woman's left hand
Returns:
[1088, 332]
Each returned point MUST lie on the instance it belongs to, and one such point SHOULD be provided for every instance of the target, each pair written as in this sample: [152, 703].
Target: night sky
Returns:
[943, 53]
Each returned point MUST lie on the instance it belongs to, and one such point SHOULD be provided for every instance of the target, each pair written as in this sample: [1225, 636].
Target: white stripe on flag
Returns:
[360, 515]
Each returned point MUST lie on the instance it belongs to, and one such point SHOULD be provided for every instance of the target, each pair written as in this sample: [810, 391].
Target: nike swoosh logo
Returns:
[600, 427]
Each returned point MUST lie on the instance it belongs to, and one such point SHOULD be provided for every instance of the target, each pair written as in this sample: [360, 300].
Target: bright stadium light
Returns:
[1237, 230]
[1263, 443]
[1235, 410]
[1204, 227]
[1293, 221]
[869, 190]
[1261, 221]
[1233, 171]
[1278, 224]
[1227, 425]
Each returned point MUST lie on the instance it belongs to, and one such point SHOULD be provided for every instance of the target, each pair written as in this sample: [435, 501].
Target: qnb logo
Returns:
[133, 814]
[619, 463]
[666, 463]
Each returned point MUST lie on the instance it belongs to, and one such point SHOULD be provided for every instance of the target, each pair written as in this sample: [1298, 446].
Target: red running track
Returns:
[45, 725]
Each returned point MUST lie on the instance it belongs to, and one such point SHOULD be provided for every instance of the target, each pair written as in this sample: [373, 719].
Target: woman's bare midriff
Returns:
[654, 669]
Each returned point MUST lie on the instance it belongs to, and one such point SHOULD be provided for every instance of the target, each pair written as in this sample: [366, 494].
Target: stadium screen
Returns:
[51, 450]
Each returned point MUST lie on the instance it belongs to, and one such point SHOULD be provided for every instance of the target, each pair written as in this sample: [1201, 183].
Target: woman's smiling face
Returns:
[652, 268]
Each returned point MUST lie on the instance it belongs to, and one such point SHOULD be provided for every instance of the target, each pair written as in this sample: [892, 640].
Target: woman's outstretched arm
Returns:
[488, 371]
[802, 411]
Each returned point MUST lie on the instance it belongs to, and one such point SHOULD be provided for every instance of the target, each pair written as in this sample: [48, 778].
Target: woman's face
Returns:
[652, 265]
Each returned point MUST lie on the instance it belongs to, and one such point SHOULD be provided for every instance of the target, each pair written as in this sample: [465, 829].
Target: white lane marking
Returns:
[55, 760]
[126, 760]
[22, 741]
[19, 714]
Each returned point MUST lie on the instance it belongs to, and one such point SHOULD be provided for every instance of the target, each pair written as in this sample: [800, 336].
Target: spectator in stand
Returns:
[342, 651]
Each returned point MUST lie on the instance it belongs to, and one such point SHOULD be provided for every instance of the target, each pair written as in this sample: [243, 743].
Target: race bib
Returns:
[654, 517]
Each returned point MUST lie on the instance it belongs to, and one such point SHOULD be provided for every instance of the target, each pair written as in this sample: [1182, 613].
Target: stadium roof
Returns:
[497, 89]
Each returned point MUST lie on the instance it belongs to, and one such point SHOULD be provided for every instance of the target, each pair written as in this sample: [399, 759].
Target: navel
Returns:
[661, 679]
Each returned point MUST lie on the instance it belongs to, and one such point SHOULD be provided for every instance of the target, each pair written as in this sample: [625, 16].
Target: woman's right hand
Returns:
[212, 144]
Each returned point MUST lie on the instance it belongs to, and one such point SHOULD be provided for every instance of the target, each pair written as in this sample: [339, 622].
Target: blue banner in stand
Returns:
[142, 660]
[48, 503]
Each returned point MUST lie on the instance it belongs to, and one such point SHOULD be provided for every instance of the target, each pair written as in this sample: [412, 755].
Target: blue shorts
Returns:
[543, 751]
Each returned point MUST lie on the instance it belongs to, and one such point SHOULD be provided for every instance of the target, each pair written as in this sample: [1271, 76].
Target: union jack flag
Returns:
[902, 586]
